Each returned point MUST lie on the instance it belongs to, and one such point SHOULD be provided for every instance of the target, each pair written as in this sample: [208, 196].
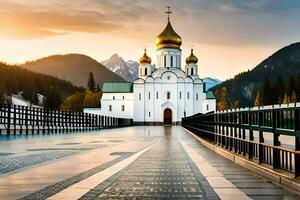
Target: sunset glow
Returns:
[228, 37]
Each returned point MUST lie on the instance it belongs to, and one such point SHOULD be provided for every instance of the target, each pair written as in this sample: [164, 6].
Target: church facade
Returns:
[161, 94]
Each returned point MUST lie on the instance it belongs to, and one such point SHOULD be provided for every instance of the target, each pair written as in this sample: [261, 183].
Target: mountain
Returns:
[211, 82]
[126, 70]
[284, 63]
[74, 68]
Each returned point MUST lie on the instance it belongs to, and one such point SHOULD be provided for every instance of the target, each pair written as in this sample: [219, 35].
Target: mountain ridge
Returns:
[74, 68]
[285, 63]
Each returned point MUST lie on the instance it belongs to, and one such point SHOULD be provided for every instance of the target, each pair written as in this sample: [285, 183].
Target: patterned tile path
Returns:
[176, 167]
[163, 172]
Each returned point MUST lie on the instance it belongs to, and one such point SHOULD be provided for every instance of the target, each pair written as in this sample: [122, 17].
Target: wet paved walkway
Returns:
[127, 163]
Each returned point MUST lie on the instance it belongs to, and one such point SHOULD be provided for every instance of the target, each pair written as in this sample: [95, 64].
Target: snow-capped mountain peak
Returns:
[127, 70]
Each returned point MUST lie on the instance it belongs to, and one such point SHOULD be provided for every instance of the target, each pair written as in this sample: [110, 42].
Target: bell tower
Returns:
[168, 44]
[145, 65]
[191, 68]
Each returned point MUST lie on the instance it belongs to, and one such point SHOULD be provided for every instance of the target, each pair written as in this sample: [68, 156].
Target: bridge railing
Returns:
[23, 119]
[266, 135]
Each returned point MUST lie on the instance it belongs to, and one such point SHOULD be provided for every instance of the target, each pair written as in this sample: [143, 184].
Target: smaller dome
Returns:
[192, 59]
[145, 59]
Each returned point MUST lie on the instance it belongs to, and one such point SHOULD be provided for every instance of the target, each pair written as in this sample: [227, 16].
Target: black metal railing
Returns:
[23, 119]
[269, 135]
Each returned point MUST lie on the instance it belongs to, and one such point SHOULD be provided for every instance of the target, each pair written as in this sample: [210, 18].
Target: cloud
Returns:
[231, 22]
[23, 22]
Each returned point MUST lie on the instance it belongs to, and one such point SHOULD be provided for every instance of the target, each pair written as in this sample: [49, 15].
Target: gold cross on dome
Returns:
[168, 12]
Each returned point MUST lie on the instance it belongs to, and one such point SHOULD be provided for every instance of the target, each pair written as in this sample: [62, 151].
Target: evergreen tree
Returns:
[267, 93]
[278, 91]
[291, 86]
[52, 99]
[258, 100]
[293, 98]
[98, 88]
[297, 89]
[91, 82]
[2, 99]
[286, 99]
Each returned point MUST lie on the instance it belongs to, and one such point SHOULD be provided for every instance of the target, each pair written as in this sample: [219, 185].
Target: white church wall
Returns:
[209, 105]
[114, 105]
[139, 105]
[149, 101]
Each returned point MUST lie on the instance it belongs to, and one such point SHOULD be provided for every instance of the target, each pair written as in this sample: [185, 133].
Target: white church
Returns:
[163, 94]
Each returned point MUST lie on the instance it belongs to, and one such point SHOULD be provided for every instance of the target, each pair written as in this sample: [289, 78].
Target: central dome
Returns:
[168, 38]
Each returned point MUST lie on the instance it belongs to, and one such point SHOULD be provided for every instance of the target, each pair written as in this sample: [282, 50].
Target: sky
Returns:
[228, 36]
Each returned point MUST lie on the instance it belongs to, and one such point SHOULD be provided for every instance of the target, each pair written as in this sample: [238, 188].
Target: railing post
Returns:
[297, 142]
[8, 119]
[276, 152]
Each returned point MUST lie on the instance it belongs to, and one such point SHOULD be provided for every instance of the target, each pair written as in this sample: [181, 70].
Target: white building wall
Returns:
[209, 105]
[116, 101]
[139, 105]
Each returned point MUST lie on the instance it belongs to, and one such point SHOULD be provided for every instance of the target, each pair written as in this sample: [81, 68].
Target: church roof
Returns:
[168, 38]
[117, 88]
[210, 95]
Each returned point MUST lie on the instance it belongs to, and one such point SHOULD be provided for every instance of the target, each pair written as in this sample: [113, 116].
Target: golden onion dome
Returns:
[145, 59]
[168, 38]
[192, 59]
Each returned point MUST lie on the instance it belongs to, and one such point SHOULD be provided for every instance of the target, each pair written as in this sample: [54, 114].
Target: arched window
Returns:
[123, 108]
[110, 108]
[114, 97]
[197, 96]
[146, 71]
[168, 95]
[179, 95]
[171, 61]
[156, 94]
[188, 95]
[192, 71]
[149, 95]
[165, 61]
[140, 96]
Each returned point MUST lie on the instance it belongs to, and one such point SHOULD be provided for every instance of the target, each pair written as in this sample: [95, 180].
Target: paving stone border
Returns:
[115, 181]
[60, 186]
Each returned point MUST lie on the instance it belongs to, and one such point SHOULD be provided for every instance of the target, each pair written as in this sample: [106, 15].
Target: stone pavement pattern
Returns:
[164, 171]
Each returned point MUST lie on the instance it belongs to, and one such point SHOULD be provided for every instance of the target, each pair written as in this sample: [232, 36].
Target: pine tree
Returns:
[98, 88]
[267, 93]
[297, 89]
[293, 98]
[286, 99]
[291, 86]
[258, 100]
[278, 91]
[91, 82]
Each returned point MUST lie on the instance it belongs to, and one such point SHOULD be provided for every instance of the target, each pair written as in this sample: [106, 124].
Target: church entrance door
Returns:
[168, 116]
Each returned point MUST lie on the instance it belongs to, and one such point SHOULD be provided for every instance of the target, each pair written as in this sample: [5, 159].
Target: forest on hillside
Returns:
[58, 93]
[278, 92]
[14, 79]
[282, 66]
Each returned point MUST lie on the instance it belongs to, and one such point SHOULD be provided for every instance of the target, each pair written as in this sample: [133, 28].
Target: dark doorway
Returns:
[168, 116]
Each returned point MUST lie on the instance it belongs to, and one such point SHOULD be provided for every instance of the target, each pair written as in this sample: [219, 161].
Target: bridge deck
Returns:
[144, 162]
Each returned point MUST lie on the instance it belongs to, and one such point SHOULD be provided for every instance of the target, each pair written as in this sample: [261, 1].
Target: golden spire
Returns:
[145, 59]
[192, 59]
[168, 38]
